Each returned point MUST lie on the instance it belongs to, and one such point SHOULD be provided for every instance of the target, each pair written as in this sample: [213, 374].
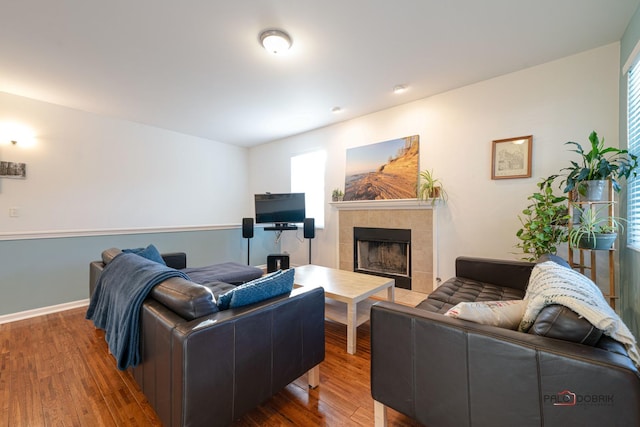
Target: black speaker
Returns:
[309, 228]
[247, 228]
[277, 262]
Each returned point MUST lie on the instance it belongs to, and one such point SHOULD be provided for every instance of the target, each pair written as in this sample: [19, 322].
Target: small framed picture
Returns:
[13, 170]
[511, 158]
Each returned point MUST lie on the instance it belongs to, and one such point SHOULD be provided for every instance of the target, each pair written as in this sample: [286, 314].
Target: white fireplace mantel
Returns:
[385, 204]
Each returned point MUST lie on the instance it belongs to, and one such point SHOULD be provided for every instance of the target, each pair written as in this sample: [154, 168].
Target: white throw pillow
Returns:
[504, 314]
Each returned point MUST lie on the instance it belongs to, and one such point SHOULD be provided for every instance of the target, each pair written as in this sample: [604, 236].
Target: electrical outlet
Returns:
[14, 212]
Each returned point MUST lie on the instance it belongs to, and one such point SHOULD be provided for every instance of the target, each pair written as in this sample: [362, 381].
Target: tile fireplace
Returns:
[415, 217]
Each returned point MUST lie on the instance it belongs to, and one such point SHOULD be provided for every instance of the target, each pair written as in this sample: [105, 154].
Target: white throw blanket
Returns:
[551, 283]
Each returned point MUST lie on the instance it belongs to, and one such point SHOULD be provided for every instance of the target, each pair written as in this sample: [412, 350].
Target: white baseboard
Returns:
[13, 317]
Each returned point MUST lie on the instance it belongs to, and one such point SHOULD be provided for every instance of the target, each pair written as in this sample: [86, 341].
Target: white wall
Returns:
[91, 177]
[88, 172]
[556, 102]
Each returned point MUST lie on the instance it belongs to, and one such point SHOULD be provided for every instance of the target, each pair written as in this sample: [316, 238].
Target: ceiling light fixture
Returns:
[275, 41]
[336, 110]
[399, 89]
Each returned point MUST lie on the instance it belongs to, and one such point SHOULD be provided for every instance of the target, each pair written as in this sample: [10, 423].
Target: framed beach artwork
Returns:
[511, 158]
[384, 170]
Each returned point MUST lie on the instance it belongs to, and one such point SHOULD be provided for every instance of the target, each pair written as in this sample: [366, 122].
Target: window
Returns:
[633, 137]
[307, 176]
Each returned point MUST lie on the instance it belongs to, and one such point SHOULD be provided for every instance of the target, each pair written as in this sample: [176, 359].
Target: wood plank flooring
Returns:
[56, 370]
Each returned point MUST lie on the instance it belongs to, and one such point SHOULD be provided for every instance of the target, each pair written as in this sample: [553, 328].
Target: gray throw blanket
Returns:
[117, 299]
[551, 283]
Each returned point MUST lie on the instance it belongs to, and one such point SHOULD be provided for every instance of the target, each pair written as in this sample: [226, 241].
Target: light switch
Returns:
[14, 212]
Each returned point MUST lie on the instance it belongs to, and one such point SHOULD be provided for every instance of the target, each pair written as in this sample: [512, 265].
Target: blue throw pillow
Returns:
[258, 290]
[150, 253]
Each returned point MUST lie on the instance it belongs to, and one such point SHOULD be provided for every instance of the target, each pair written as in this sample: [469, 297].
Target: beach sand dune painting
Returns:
[386, 170]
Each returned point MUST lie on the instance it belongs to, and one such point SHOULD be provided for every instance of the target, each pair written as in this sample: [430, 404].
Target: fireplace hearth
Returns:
[383, 252]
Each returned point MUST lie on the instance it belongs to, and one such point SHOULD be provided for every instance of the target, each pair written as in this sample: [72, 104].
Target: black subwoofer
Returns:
[277, 262]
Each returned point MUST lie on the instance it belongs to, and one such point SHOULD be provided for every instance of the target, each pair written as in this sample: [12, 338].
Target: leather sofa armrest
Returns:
[187, 299]
[508, 273]
[95, 270]
[177, 260]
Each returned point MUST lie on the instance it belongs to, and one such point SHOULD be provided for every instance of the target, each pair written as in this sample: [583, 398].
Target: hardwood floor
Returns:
[55, 370]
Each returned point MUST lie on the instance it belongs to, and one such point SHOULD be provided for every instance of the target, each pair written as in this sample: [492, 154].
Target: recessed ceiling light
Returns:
[336, 110]
[399, 89]
[275, 41]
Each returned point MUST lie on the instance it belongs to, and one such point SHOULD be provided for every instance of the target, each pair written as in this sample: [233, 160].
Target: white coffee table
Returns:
[348, 288]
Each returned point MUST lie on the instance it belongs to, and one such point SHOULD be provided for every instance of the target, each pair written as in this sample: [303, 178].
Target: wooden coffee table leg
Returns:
[352, 312]
[379, 414]
[314, 376]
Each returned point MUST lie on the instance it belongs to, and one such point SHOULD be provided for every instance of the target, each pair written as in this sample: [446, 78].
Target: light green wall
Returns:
[38, 273]
[629, 258]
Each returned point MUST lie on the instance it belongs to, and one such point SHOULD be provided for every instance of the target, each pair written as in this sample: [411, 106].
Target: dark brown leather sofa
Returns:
[208, 369]
[443, 371]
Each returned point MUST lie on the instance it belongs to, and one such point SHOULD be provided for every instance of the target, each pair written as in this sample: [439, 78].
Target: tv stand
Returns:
[281, 227]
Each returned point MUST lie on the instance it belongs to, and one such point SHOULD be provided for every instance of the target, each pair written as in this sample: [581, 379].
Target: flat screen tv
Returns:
[280, 209]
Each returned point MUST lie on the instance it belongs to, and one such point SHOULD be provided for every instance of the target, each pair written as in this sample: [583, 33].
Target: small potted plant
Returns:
[337, 195]
[597, 165]
[430, 188]
[544, 222]
[595, 230]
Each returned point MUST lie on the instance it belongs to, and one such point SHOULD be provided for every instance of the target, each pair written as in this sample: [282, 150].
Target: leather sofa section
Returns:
[202, 376]
[609, 344]
[557, 321]
[507, 273]
[401, 357]
[177, 260]
[95, 270]
[185, 298]
[157, 324]
[212, 370]
[503, 382]
[109, 254]
[451, 372]
[605, 394]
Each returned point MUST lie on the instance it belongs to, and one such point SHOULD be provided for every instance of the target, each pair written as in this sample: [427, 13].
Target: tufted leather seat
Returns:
[459, 289]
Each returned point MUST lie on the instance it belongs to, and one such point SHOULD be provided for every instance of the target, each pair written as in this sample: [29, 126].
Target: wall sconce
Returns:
[15, 133]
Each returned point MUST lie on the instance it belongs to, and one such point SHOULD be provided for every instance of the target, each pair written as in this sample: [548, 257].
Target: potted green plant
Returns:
[598, 164]
[430, 188]
[595, 229]
[337, 195]
[543, 222]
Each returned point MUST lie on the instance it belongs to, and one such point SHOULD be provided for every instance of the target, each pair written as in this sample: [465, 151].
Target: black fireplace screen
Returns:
[384, 251]
[383, 257]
